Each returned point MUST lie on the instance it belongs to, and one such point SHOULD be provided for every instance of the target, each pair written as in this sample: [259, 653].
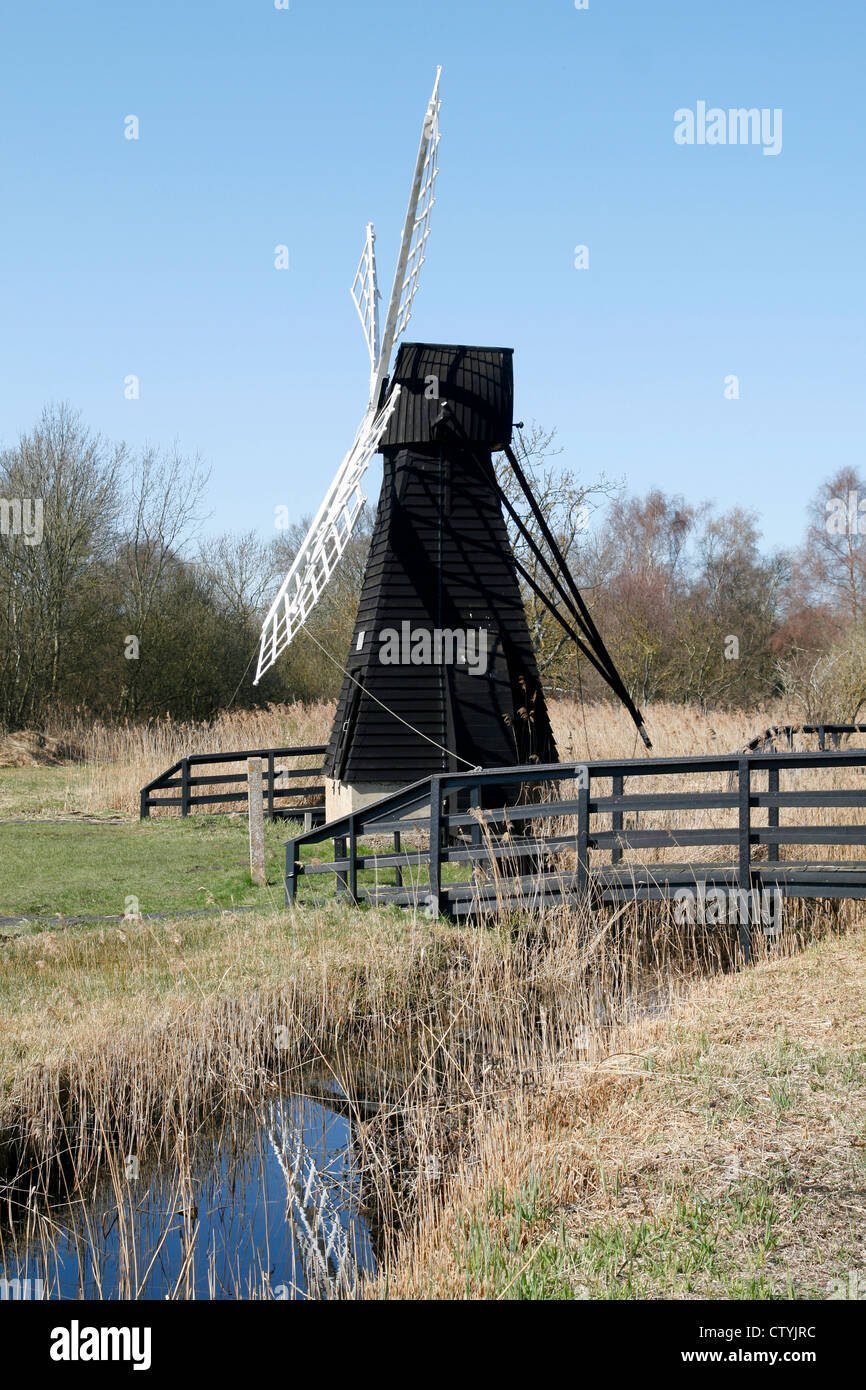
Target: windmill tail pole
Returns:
[610, 673]
[641, 728]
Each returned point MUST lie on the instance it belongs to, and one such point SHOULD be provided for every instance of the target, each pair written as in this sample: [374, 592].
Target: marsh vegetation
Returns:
[585, 1105]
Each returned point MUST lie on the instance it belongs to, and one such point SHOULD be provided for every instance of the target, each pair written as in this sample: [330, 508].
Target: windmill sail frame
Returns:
[365, 295]
[413, 240]
[334, 522]
[324, 543]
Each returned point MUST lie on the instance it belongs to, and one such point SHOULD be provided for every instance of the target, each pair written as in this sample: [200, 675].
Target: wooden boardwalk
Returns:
[636, 883]
[465, 844]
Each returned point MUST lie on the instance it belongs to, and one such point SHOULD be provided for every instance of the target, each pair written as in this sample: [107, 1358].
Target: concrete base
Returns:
[341, 799]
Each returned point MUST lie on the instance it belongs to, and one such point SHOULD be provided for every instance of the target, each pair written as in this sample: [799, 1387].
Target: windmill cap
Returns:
[476, 382]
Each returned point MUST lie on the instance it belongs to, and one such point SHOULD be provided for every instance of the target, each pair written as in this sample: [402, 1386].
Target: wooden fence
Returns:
[287, 788]
[568, 831]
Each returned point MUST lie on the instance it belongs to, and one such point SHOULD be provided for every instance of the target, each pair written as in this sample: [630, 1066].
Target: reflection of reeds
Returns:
[185, 1227]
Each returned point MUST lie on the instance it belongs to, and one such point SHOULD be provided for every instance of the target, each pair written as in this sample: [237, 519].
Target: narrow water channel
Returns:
[269, 1207]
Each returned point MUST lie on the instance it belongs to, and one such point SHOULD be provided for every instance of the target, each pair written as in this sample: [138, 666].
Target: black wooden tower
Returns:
[441, 674]
[440, 562]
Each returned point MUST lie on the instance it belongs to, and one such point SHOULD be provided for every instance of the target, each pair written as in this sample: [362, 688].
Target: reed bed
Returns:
[112, 761]
[132, 1042]
[117, 759]
[602, 730]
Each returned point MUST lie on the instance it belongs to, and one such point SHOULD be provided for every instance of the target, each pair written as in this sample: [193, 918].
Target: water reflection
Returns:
[268, 1206]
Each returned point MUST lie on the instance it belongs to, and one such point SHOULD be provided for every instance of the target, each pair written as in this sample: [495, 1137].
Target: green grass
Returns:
[725, 1246]
[40, 791]
[83, 869]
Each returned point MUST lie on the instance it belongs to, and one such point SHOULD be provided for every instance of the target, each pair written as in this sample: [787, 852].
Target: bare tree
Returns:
[240, 568]
[49, 591]
[164, 491]
[833, 559]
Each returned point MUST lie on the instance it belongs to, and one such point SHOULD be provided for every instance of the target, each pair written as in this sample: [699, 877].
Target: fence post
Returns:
[270, 786]
[616, 819]
[257, 823]
[353, 863]
[398, 872]
[583, 831]
[436, 844]
[745, 861]
[822, 738]
[184, 787]
[340, 853]
[773, 812]
[144, 806]
[291, 872]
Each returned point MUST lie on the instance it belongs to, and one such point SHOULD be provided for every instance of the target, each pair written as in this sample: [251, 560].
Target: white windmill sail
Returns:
[413, 241]
[325, 541]
[365, 292]
[334, 522]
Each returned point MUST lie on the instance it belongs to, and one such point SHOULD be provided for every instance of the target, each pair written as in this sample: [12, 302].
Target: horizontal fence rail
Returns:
[528, 836]
[777, 733]
[289, 791]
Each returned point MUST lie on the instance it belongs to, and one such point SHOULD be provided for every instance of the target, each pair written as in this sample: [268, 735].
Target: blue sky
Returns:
[261, 126]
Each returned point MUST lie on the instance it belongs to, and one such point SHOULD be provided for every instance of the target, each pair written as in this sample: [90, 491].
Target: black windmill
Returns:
[441, 674]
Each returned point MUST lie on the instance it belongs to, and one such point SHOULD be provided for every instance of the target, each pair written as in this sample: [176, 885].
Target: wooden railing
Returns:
[282, 798]
[770, 738]
[509, 822]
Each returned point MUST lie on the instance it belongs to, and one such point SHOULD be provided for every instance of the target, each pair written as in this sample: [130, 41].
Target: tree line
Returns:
[112, 599]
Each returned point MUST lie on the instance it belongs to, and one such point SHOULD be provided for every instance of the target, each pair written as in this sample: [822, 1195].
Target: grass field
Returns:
[32, 793]
[81, 869]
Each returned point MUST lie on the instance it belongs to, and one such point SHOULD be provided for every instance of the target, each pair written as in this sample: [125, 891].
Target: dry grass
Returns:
[716, 1153]
[584, 732]
[682, 731]
[109, 763]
